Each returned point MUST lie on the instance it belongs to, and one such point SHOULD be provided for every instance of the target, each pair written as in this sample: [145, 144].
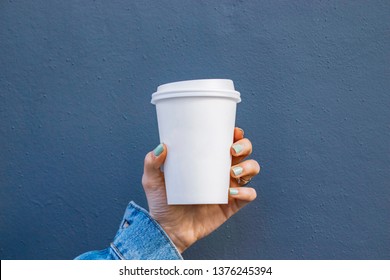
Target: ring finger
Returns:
[245, 170]
[240, 150]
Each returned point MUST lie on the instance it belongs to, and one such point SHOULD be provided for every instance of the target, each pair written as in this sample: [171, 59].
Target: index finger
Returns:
[238, 134]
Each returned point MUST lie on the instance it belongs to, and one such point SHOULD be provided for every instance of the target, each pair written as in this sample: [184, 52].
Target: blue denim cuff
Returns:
[140, 237]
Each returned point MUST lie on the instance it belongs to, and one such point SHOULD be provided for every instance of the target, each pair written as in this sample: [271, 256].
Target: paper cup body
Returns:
[196, 121]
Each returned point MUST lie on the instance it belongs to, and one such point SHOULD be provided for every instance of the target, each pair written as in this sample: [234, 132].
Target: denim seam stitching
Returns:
[116, 251]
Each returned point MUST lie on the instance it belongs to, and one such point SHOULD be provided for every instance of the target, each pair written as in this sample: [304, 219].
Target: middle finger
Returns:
[240, 150]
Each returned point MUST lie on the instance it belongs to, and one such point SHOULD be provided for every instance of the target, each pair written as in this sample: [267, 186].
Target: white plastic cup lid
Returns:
[207, 87]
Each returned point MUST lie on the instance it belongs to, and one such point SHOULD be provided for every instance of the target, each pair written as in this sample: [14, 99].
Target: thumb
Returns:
[154, 160]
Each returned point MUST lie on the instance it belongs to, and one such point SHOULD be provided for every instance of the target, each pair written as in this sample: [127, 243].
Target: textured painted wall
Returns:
[76, 120]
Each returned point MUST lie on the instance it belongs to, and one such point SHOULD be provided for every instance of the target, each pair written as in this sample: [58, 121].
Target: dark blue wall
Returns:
[76, 120]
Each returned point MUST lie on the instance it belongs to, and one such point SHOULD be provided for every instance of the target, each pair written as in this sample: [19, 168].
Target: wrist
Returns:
[181, 246]
[179, 236]
[181, 242]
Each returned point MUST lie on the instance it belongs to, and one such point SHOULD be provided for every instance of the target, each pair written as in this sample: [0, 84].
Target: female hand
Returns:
[185, 224]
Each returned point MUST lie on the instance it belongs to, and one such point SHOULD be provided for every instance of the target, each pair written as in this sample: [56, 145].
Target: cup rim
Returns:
[223, 88]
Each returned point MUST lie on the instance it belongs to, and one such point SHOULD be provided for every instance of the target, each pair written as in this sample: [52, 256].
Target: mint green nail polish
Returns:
[237, 148]
[233, 191]
[158, 150]
[237, 170]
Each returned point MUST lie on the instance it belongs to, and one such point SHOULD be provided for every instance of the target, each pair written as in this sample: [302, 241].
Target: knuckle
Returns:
[145, 181]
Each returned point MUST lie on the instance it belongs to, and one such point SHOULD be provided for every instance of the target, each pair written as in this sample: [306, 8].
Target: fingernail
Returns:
[241, 131]
[237, 170]
[158, 150]
[233, 191]
[237, 148]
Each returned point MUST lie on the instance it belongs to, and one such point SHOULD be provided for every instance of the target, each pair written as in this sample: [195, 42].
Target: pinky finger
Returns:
[243, 195]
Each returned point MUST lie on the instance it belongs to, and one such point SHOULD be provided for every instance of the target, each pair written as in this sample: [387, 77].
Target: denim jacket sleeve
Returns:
[139, 237]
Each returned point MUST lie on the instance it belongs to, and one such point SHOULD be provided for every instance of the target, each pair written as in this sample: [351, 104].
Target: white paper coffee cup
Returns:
[196, 120]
